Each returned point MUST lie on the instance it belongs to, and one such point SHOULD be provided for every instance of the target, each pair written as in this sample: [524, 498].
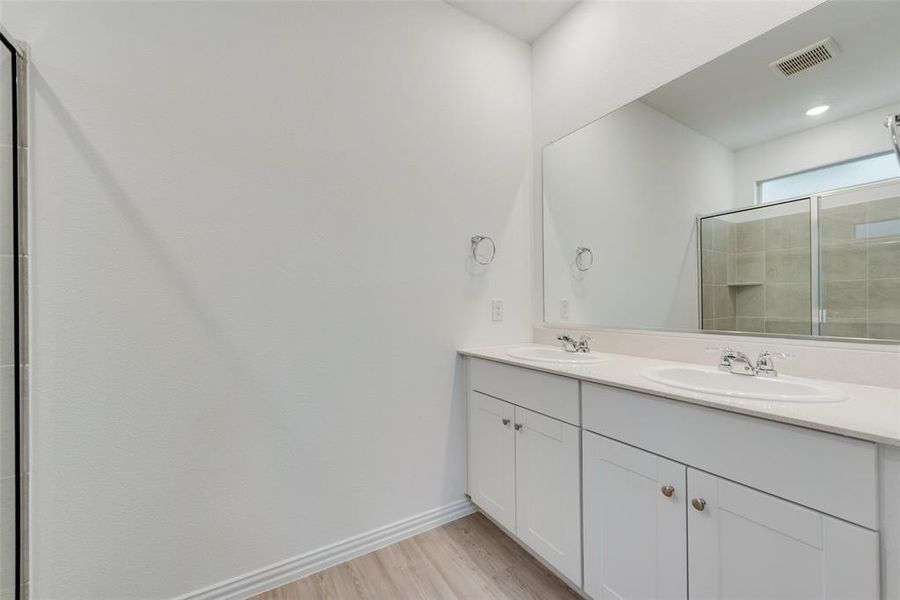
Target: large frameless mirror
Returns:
[759, 193]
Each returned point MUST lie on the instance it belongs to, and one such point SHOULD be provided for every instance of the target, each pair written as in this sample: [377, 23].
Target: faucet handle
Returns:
[583, 343]
[569, 345]
[765, 364]
[767, 357]
[725, 354]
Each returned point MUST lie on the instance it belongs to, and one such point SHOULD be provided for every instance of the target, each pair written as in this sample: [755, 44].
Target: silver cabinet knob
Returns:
[506, 422]
[667, 491]
[518, 426]
[698, 503]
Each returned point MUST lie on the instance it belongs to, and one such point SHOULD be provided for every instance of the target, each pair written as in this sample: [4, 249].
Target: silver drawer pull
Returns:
[667, 491]
[698, 504]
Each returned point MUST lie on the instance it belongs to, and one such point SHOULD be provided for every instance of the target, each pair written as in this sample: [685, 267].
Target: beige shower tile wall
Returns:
[787, 275]
[718, 300]
[766, 287]
[860, 263]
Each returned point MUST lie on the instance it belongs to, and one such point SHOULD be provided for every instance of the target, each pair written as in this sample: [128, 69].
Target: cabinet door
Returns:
[492, 456]
[548, 490]
[747, 544]
[635, 544]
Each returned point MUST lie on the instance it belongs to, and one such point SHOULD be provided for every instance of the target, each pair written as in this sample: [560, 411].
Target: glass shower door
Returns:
[755, 270]
[860, 262]
[828, 265]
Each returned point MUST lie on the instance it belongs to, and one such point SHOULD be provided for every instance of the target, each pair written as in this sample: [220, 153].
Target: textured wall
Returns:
[250, 233]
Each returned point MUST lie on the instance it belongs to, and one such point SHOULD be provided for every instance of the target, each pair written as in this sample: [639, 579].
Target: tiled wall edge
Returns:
[875, 364]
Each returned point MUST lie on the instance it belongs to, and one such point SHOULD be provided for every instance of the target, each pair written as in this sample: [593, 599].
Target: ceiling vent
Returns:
[806, 58]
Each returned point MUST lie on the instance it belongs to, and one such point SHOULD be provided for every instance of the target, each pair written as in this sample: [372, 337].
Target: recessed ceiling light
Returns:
[817, 110]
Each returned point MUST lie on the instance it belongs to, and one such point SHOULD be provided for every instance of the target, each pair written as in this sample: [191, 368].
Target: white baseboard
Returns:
[291, 569]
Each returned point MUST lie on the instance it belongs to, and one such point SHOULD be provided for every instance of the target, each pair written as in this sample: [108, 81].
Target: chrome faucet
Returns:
[765, 364]
[735, 362]
[739, 363]
[570, 345]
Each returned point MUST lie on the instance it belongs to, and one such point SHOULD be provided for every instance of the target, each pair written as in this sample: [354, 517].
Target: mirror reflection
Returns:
[759, 193]
[756, 270]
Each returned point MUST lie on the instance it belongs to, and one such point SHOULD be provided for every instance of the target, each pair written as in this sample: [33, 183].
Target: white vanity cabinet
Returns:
[747, 544]
[633, 496]
[654, 528]
[548, 498]
[714, 537]
[524, 469]
[635, 523]
[492, 458]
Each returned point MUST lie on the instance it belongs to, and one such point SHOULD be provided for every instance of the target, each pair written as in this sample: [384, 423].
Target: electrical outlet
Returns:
[564, 310]
[497, 309]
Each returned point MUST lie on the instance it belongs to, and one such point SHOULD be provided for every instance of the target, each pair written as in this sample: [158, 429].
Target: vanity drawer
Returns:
[830, 473]
[550, 395]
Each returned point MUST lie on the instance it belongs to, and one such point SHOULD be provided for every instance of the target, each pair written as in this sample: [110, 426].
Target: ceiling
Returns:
[737, 100]
[525, 19]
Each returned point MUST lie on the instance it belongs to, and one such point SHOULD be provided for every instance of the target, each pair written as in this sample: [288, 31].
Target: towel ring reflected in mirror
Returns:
[482, 256]
[584, 258]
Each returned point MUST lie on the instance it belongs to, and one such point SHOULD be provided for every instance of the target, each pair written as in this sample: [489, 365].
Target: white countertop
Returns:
[871, 413]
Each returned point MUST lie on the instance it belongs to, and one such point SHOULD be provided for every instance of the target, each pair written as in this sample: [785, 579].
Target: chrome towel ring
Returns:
[480, 246]
[584, 258]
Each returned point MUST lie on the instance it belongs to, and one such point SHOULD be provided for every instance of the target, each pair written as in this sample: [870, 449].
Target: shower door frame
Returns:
[814, 293]
[815, 265]
[17, 130]
[815, 289]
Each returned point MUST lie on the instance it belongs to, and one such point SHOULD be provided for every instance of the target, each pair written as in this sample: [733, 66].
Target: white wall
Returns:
[630, 186]
[849, 138]
[250, 226]
[603, 55]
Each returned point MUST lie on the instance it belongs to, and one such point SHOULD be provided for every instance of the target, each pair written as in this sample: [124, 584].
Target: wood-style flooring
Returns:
[469, 558]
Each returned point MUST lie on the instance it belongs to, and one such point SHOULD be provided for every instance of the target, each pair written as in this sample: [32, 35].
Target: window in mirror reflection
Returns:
[866, 169]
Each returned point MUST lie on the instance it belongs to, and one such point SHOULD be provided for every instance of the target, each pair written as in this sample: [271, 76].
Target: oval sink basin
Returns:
[709, 380]
[557, 355]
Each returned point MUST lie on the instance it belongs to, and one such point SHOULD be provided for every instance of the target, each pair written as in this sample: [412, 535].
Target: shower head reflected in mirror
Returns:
[893, 125]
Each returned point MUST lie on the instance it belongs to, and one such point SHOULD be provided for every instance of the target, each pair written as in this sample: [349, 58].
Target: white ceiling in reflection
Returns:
[738, 101]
